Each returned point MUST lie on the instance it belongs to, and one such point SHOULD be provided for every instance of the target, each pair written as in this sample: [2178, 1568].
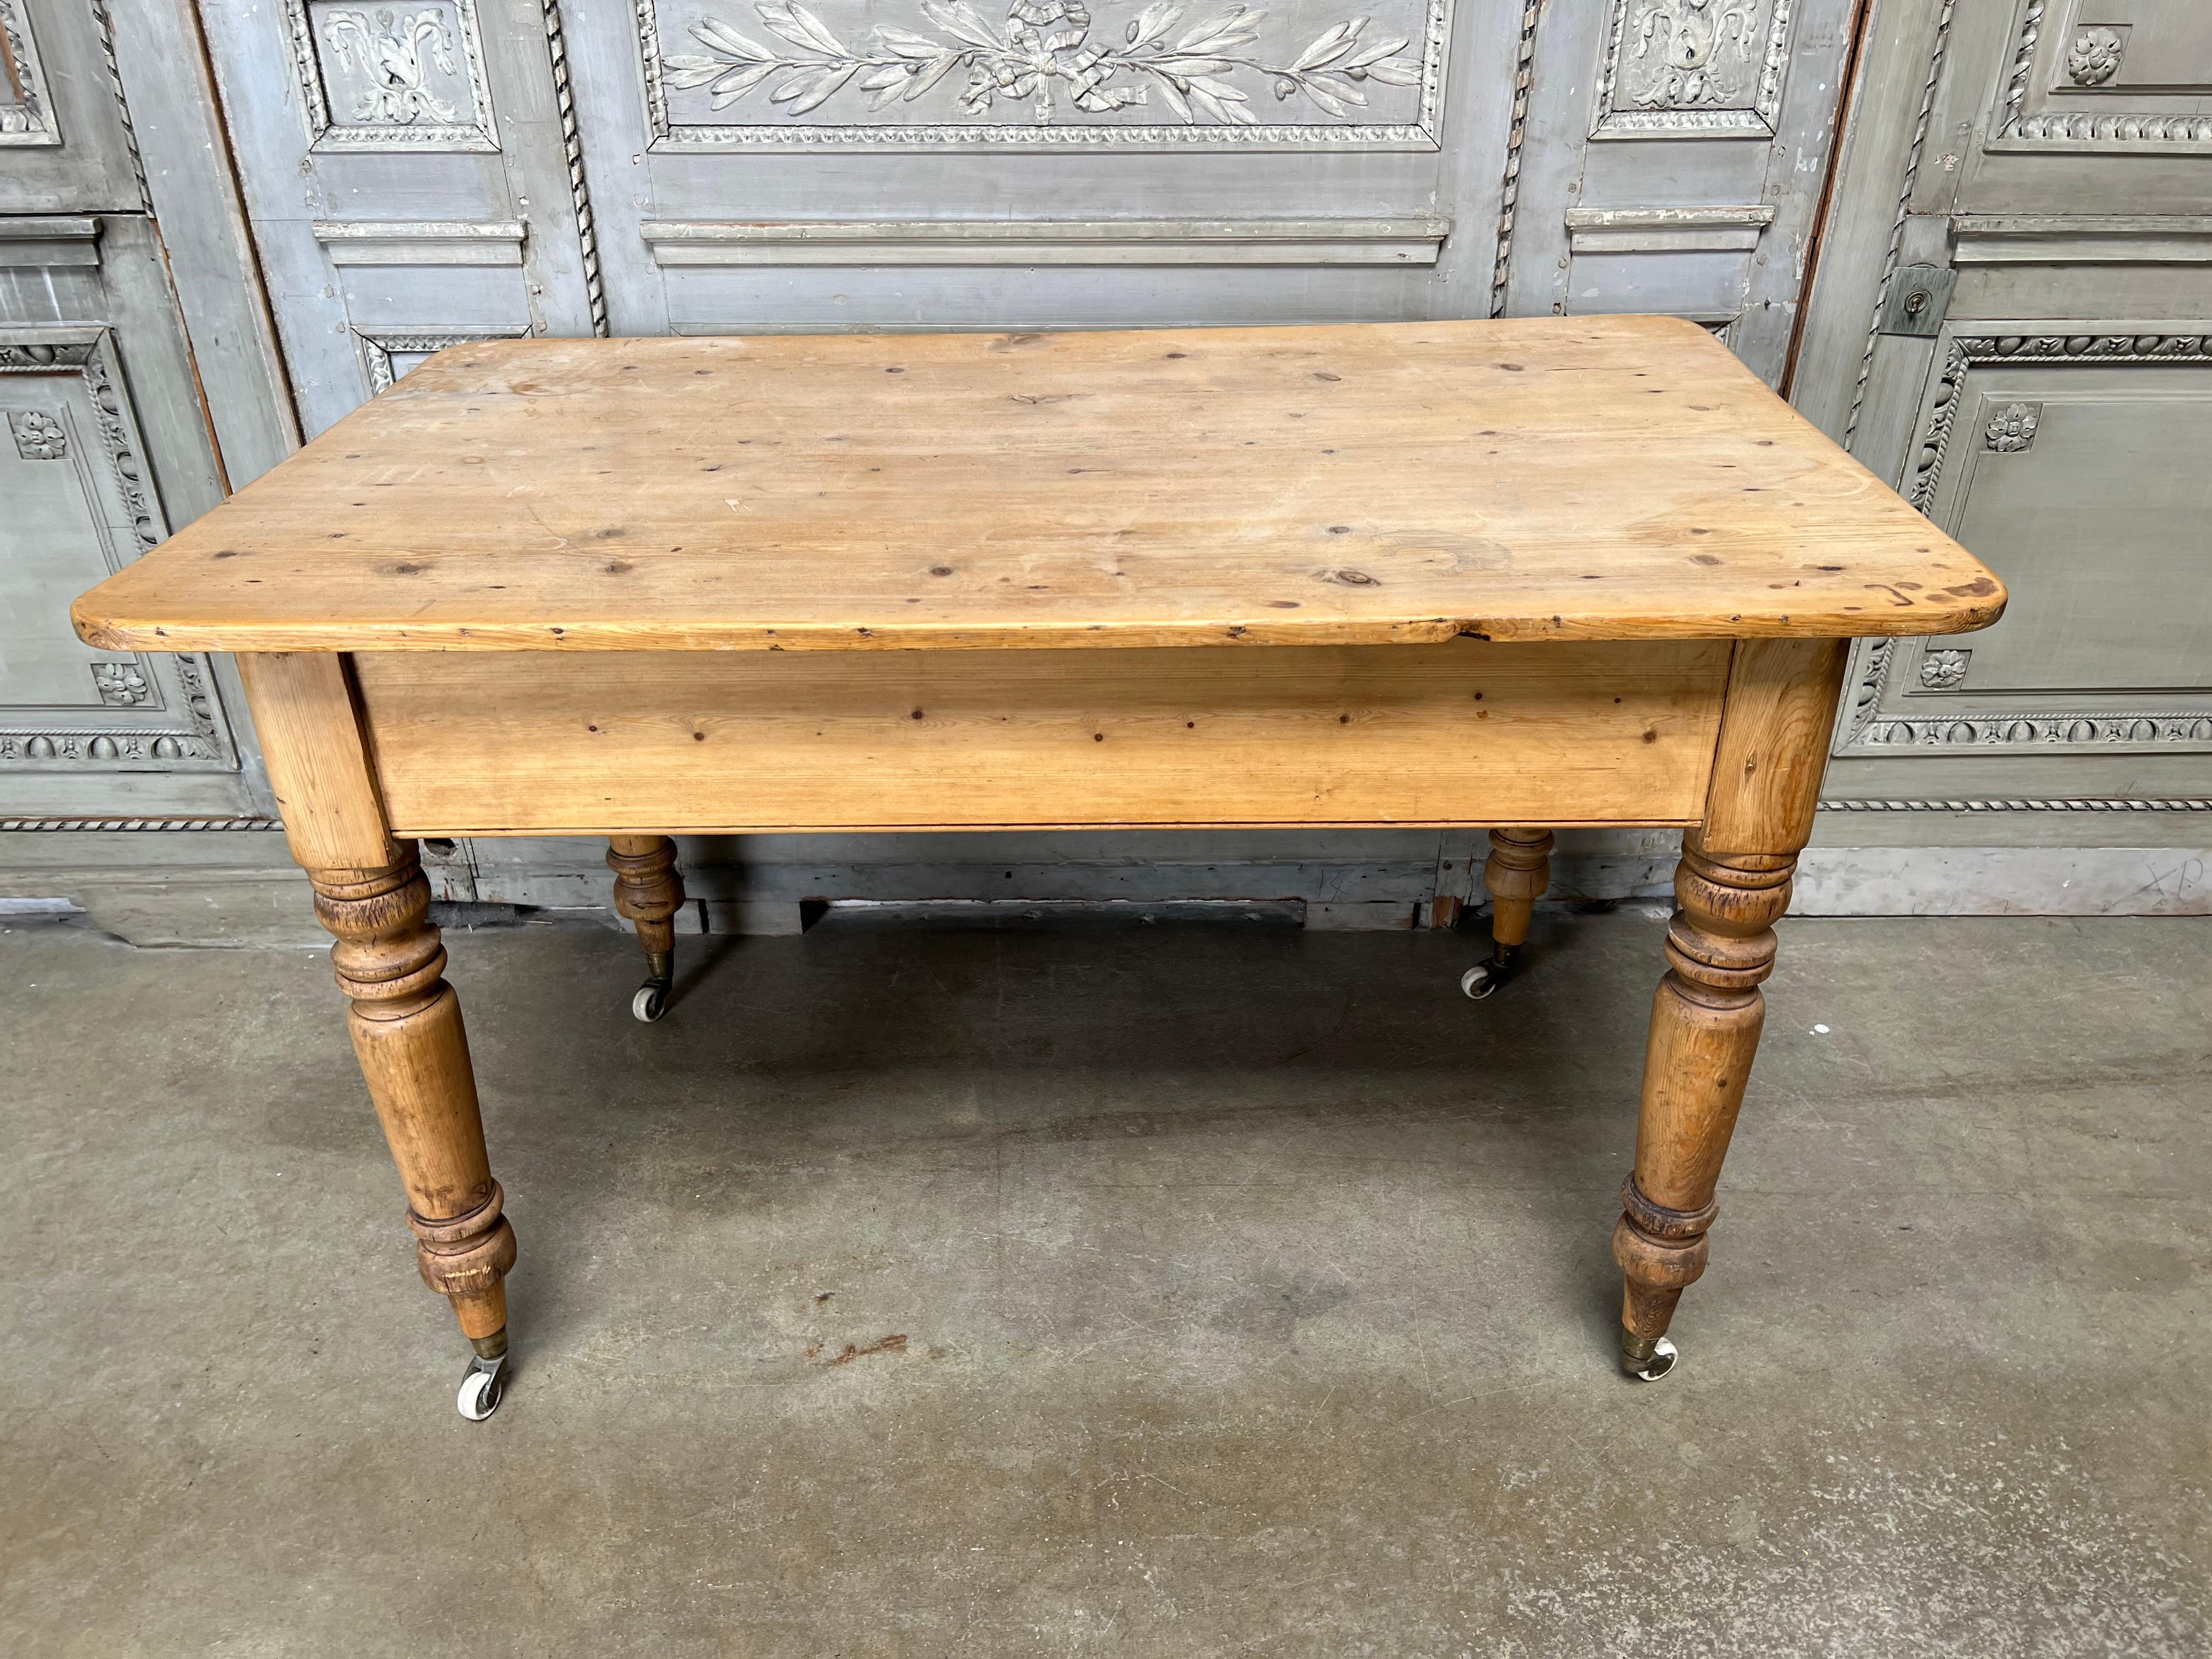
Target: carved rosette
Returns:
[2012, 429]
[2094, 56]
[121, 685]
[1944, 670]
[39, 436]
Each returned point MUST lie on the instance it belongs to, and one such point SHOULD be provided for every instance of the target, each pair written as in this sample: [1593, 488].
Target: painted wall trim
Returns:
[1404, 240]
[1666, 230]
[2111, 804]
[40, 826]
[420, 242]
[50, 239]
[2081, 239]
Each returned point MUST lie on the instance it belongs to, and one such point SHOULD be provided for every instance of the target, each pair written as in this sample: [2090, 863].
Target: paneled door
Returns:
[435, 171]
[413, 177]
[104, 441]
[452, 169]
[2014, 321]
[1035, 163]
[1672, 159]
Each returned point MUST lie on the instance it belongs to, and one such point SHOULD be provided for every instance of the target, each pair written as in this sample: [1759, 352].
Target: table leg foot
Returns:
[649, 891]
[1516, 873]
[1647, 1359]
[483, 1385]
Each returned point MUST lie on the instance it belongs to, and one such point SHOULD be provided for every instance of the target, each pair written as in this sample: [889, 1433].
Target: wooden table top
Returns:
[1590, 478]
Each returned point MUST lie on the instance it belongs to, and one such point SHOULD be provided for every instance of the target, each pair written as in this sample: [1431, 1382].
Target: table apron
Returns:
[1468, 732]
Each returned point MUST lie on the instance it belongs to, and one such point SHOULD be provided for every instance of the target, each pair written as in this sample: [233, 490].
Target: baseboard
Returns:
[2004, 881]
[224, 890]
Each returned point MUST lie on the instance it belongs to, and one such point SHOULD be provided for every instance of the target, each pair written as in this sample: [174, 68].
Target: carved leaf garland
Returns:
[1043, 53]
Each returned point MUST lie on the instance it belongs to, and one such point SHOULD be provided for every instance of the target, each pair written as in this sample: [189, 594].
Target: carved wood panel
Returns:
[1692, 68]
[81, 505]
[1042, 75]
[2063, 459]
[65, 146]
[2033, 161]
[411, 168]
[26, 108]
[381, 76]
[1668, 162]
[2110, 77]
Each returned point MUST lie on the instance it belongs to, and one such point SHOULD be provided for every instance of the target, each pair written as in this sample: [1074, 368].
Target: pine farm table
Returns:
[1567, 571]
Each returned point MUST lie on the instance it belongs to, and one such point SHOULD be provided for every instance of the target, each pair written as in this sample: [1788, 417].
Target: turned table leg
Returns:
[406, 1026]
[1731, 887]
[649, 891]
[1705, 1022]
[405, 1020]
[1516, 873]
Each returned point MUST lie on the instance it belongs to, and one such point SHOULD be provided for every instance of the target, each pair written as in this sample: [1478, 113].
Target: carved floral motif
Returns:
[2188, 131]
[1688, 52]
[39, 436]
[2094, 56]
[1692, 68]
[2012, 429]
[121, 685]
[411, 78]
[390, 51]
[1044, 52]
[1944, 670]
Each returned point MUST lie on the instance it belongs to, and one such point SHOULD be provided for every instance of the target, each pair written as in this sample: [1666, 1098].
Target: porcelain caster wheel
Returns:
[483, 1385]
[1485, 977]
[1647, 1361]
[651, 1001]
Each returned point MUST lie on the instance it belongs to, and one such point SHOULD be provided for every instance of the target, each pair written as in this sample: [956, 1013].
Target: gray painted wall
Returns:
[2042, 171]
[337, 189]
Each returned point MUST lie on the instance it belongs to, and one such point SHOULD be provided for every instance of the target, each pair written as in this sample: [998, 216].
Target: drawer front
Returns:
[492, 743]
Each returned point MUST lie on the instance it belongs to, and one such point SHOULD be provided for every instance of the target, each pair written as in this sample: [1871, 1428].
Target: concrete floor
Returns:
[1082, 1288]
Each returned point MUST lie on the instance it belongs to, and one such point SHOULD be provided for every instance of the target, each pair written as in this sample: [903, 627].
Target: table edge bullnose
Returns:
[110, 633]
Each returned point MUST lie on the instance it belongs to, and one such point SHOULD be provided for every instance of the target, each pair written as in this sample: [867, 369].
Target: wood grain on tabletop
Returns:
[1612, 477]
